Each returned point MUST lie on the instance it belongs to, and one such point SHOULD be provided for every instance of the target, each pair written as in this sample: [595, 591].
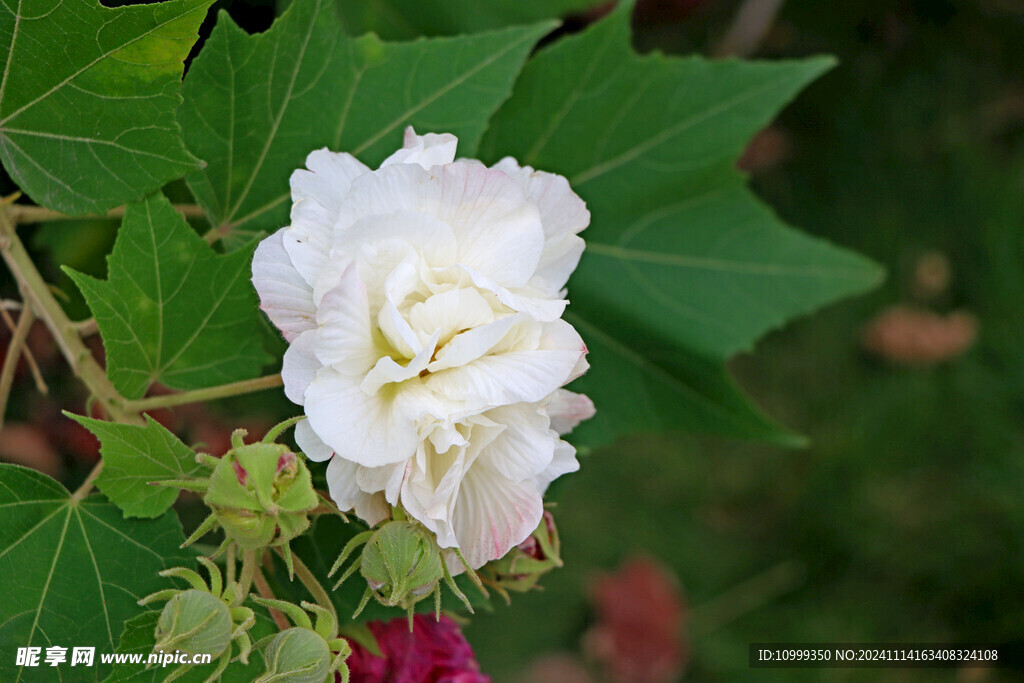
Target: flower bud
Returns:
[523, 566]
[401, 563]
[196, 622]
[261, 494]
[297, 655]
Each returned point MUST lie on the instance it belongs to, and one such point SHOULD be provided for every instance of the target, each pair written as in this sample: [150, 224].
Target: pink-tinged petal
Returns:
[285, 297]
[300, 367]
[492, 514]
[567, 409]
[310, 444]
[346, 339]
[525, 447]
[369, 430]
[341, 484]
[563, 462]
[514, 376]
[426, 150]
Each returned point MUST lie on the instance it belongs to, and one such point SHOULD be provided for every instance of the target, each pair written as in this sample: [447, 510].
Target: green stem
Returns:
[13, 355]
[248, 571]
[37, 375]
[37, 214]
[314, 587]
[86, 487]
[38, 295]
[222, 391]
[230, 564]
[263, 588]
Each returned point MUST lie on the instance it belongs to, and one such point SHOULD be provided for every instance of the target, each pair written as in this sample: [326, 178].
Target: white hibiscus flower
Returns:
[422, 302]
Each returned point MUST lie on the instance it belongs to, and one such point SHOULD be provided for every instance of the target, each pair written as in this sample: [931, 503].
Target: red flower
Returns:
[434, 652]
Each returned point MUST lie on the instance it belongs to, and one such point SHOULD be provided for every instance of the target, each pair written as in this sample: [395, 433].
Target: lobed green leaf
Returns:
[72, 571]
[87, 99]
[134, 456]
[172, 310]
[408, 19]
[257, 105]
[684, 266]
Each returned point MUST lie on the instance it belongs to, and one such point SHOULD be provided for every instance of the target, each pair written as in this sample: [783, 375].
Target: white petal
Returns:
[544, 309]
[449, 312]
[310, 444]
[285, 297]
[563, 215]
[387, 371]
[318, 195]
[499, 232]
[470, 345]
[341, 484]
[328, 179]
[300, 367]
[525, 447]
[345, 339]
[515, 376]
[426, 150]
[369, 430]
[563, 462]
[567, 409]
[492, 514]
[558, 261]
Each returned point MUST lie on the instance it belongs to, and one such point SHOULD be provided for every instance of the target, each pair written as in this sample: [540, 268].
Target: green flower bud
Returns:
[261, 494]
[402, 564]
[196, 622]
[297, 655]
[522, 566]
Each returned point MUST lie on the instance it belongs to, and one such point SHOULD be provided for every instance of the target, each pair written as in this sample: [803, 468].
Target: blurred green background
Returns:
[904, 520]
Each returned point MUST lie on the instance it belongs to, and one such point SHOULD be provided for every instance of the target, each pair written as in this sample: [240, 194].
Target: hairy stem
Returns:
[222, 391]
[37, 214]
[38, 295]
[314, 587]
[248, 571]
[13, 355]
[263, 588]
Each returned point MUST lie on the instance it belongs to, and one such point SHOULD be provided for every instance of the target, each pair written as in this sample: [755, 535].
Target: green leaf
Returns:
[684, 266]
[87, 99]
[256, 106]
[408, 19]
[139, 638]
[135, 456]
[72, 571]
[172, 310]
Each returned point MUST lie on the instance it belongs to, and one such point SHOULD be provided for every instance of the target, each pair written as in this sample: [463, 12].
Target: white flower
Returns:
[422, 302]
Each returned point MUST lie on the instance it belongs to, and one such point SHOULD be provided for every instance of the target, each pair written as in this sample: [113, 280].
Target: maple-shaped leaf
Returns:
[87, 99]
[172, 310]
[684, 266]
